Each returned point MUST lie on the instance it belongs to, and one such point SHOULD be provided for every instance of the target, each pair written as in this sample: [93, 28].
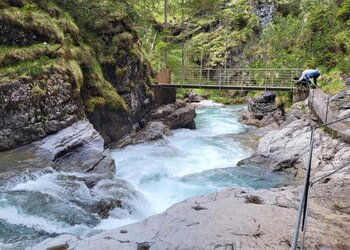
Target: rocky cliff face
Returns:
[264, 11]
[57, 69]
[33, 108]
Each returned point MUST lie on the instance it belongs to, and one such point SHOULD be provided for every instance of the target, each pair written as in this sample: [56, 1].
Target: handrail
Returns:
[304, 199]
[259, 69]
[279, 77]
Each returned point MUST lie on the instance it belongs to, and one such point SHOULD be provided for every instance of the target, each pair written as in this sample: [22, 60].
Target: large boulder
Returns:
[194, 97]
[152, 131]
[262, 111]
[149, 132]
[162, 120]
[262, 105]
[77, 148]
[176, 115]
[287, 148]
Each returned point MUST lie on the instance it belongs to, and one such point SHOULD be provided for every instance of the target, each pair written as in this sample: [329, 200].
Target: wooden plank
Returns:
[195, 86]
[164, 76]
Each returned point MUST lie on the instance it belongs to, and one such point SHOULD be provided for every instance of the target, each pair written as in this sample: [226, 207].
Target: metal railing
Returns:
[330, 117]
[328, 105]
[269, 77]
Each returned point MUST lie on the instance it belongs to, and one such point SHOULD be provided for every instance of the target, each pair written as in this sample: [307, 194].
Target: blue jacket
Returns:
[308, 74]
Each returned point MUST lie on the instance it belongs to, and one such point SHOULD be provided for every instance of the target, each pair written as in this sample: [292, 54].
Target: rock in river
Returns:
[77, 148]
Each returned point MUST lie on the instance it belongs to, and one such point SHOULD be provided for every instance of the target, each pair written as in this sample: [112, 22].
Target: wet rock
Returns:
[262, 105]
[262, 111]
[194, 97]
[78, 148]
[176, 115]
[191, 125]
[117, 193]
[103, 207]
[51, 207]
[152, 131]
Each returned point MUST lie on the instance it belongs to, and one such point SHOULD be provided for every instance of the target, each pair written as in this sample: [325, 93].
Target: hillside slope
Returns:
[257, 33]
[62, 61]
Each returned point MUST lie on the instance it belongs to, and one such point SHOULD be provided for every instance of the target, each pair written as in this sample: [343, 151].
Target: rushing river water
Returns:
[158, 174]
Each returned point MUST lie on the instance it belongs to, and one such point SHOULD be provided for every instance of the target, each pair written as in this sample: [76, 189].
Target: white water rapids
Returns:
[189, 163]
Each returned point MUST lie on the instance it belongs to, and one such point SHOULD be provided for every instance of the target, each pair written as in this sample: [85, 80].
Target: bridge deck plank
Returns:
[199, 86]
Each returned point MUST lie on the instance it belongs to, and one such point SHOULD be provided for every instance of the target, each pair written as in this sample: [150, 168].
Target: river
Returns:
[150, 178]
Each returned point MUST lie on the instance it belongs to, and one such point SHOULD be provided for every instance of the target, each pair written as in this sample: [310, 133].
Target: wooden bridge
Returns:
[277, 79]
[274, 79]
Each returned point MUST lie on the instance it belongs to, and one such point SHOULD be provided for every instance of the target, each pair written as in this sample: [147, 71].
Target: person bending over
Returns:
[306, 77]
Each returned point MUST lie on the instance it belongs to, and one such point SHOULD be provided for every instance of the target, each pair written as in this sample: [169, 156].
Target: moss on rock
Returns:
[73, 44]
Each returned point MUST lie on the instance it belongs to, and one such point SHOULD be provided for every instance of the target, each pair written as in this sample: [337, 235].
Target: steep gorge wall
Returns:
[60, 64]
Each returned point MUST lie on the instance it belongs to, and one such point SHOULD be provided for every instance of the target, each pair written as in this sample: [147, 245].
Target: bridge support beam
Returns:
[164, 95]
[300, 94]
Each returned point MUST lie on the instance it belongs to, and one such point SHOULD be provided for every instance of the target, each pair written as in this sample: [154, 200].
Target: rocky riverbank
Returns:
[243, 219]
[80, 149]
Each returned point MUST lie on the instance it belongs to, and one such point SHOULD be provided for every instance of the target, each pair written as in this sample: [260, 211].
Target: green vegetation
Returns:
[83, 38]
[217, 33]
[31, 18]
[12, 55]
[316, 35]
[28, 68]
[78, 39]
[38, 91]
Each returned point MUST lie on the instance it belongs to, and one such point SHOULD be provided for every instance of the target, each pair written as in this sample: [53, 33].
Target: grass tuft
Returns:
[31, 18]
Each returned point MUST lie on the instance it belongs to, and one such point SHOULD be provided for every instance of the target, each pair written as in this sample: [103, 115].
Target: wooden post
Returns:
[164, 76]
[164, 95]
[300, 94]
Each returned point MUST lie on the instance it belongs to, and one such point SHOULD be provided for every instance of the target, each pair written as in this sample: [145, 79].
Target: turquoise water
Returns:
[193, 162]
[150, 178]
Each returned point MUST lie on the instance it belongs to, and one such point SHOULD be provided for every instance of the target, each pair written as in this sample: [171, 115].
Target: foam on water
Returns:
[12, 216]
[158, 169]
[150, 178]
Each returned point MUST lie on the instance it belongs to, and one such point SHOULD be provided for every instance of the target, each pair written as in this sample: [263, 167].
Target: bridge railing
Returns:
[236, 76]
